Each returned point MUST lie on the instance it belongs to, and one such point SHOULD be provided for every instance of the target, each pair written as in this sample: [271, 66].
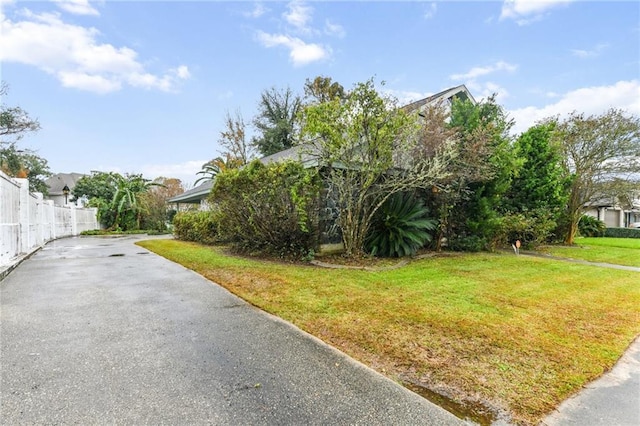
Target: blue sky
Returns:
[143, 87]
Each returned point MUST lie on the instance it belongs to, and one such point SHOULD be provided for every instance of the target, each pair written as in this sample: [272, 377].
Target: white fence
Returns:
[28, 222]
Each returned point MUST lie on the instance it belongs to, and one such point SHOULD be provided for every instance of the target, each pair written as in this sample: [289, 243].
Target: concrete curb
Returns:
[5, 270]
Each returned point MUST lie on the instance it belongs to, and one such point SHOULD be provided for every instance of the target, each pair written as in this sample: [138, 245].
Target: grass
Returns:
[619, 251]
[519, 334]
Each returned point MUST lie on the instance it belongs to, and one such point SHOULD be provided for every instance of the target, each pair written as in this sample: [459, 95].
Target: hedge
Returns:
[198, 226]
[622, 233]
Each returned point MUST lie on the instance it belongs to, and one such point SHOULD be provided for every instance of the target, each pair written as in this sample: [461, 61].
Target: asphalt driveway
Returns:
[100, 331]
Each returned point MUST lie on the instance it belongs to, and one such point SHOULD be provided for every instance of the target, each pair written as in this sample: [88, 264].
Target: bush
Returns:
[622, 233]
[400, 227]
[589, 226]
[471, 243]
[270, 209]
[531, 228]
[198, 226]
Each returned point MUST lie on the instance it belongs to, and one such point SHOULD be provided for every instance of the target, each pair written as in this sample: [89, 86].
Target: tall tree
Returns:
[15, 123]
[597, 149]
[361, 143]
[323, 89]
[542, 182]
[276, 121]
[233, 139]
[486, 165]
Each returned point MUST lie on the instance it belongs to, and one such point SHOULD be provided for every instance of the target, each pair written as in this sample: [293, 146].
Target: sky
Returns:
[144, 86]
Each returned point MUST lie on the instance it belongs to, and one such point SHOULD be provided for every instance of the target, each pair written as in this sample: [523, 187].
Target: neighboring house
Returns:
[615, 214]
[199, 194]
[194, 197]
[445, 98]
[57, 183]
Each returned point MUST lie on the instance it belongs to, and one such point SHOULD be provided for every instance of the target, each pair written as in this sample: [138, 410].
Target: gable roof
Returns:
[59, 180]
[460, 92]
[194, 195]
[297, 152]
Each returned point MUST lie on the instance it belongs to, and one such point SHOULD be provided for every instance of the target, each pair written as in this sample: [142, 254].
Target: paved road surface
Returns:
[97, 331]
[611, 400]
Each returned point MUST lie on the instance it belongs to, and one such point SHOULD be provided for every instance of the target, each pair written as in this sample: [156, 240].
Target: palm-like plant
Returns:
[216, 166]
[400, 227]
[125, 200]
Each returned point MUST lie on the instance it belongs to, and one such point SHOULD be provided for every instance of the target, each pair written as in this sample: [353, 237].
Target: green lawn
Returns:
[619, 251]
[517, 333]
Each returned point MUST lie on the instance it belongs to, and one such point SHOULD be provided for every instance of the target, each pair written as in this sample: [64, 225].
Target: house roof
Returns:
[58, 181]
[194, 195]
[301, 153]
[461, 92]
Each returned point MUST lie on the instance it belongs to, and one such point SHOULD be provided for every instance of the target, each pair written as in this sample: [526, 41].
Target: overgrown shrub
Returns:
[270, 209]
[532, 228]
[622, 232]
[198, 226]
[400, 227]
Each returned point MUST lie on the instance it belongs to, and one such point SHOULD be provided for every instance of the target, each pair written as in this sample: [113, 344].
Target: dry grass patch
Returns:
[519, 334]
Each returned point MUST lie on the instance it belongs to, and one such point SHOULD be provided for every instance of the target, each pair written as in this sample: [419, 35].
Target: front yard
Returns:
[619, 251]
[513, 334]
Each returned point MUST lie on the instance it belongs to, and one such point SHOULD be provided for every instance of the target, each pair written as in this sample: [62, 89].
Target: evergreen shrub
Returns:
[269, 209]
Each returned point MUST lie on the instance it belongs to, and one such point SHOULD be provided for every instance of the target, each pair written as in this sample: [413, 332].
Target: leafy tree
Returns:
[154, 202]
[482, 176]
[541, 182]
[323, 89]
[362, 143]
[37, 169]
[99, 188]
[597, 149]
[539, 190]
[97, 185]
[276, 121]
[15, 123]
[117, 197]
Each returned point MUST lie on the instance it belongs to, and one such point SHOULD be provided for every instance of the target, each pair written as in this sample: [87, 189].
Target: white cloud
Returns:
[589, 100]
[592, 53]
[405, 97]
[485, 89]
[300, 53]
[476, 72]
[299, 16]
[431, 11]
[74, 55]
[258, 10]
[334, 29]
[527, 11]
[77, 7]
[90, 83]
[186, 171]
